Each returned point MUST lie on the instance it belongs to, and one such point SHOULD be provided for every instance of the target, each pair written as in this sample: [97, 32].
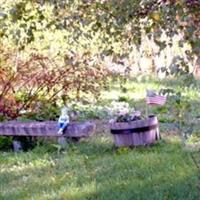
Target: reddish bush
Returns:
[23, 84]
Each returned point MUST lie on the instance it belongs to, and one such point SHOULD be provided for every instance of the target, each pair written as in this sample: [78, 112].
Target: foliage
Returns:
[24, 85]
[99, 27]
[95, 16]
[181, 104]
[30, 85]
[128, 118]
[5, 143]
[72, 46]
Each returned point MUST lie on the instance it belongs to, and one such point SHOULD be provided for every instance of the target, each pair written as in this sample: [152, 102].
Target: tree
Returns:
[78, 35]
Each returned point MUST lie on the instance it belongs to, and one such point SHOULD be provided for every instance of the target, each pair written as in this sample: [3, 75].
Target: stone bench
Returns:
[16, 129]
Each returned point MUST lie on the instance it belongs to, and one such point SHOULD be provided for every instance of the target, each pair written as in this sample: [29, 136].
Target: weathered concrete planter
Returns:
[45, 129]
[136, 133]
[34, 129]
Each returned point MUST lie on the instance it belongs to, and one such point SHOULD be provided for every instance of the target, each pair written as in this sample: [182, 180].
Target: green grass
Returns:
[95, 170]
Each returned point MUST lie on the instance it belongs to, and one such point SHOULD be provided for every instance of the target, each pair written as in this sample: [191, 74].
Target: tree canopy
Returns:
[101, 26]
[73, 45]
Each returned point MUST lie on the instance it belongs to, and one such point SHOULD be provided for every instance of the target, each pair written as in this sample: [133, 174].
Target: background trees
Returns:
[51, 49]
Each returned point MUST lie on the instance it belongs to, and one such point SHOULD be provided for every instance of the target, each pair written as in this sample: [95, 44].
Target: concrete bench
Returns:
[16, 129]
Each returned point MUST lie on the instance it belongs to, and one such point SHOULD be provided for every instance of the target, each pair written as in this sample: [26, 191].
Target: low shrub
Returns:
[5, 143]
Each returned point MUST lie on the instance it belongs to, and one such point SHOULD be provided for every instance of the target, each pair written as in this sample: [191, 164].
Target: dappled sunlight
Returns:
[86, 190]
[136, 90]
[20, 166]
[114, 95]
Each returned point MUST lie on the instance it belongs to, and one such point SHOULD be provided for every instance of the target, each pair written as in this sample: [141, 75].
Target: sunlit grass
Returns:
[135, 90]
[94, 169]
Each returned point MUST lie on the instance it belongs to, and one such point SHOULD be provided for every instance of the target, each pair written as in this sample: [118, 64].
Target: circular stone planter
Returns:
[136, 133]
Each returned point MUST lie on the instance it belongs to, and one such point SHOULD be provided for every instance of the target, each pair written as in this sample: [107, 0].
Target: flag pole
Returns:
[147, 105]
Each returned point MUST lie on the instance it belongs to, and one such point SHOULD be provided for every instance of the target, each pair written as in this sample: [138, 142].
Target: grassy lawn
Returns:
[93, 169]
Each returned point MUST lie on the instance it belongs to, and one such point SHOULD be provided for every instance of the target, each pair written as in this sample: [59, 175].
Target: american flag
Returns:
[154, 99]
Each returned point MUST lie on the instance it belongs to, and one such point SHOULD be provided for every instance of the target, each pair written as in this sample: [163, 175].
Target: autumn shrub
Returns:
[23, 83]
[28, 85]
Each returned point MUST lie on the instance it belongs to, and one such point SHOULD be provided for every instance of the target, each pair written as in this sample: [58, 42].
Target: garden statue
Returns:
[63, 120]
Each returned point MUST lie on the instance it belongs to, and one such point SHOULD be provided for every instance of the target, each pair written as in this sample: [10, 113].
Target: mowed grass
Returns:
[94, 169]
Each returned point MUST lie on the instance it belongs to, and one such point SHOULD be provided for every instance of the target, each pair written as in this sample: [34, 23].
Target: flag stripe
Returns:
[156, 100]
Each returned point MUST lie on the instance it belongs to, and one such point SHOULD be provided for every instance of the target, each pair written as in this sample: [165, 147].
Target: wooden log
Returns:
[136, 133]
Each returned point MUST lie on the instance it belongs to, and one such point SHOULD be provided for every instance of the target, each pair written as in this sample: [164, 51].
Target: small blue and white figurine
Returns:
[63, 120]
